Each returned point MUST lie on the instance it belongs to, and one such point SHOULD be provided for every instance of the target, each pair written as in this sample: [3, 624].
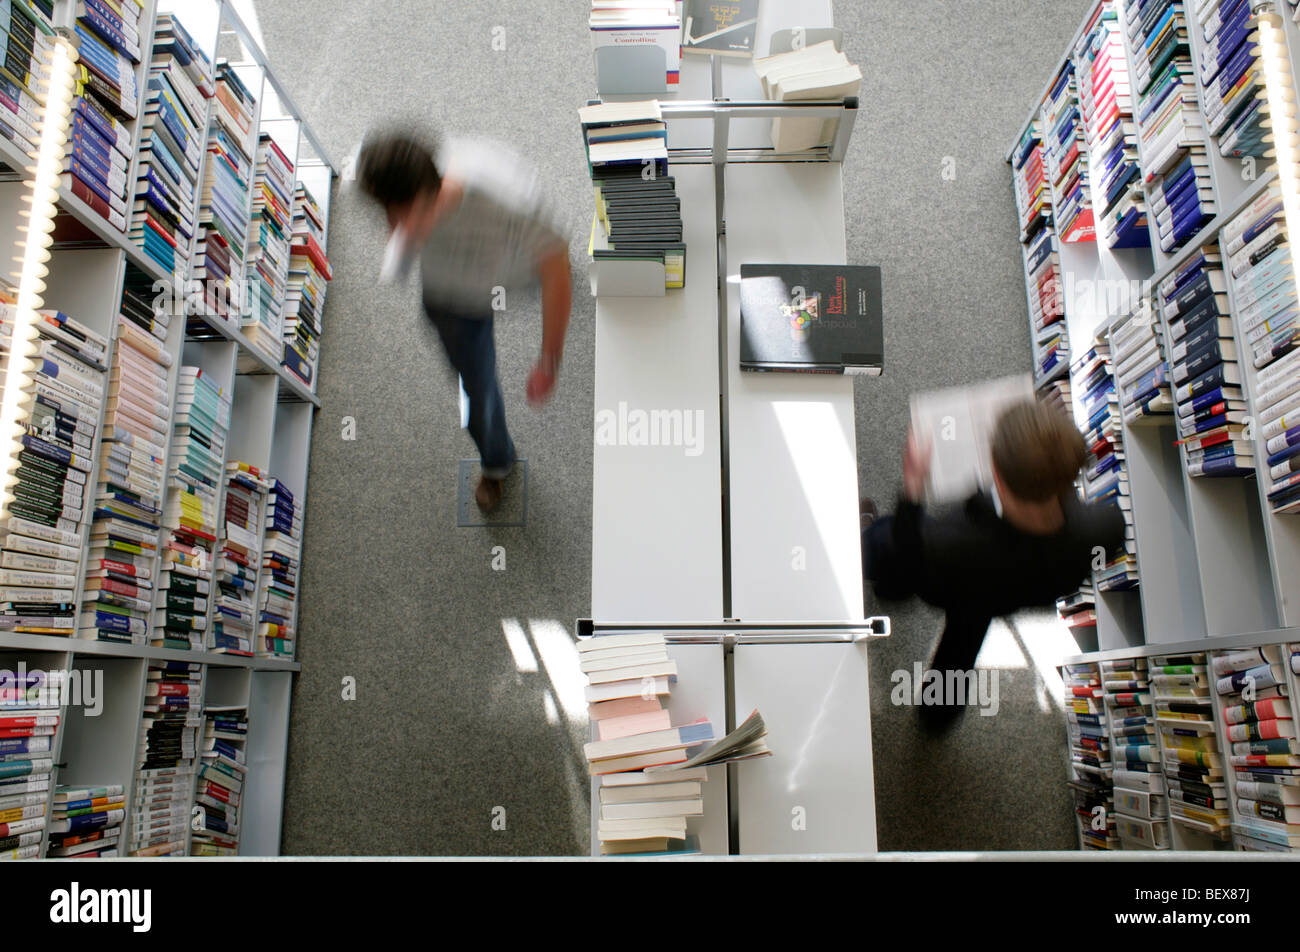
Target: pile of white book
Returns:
[815, 72]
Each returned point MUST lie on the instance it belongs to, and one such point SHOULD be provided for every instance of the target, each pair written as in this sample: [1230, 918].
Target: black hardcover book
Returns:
[811, 319]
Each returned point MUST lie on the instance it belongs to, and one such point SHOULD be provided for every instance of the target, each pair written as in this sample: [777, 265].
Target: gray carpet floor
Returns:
[456, 742]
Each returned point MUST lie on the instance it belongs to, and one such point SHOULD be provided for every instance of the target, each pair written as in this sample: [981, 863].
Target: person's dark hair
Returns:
[392, 168]
[1037, 451]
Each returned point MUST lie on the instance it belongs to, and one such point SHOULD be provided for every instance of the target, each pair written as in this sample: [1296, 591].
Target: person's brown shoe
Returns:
[867, 512]
[487, 495]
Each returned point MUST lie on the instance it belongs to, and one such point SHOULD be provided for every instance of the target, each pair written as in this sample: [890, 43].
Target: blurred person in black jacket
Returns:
[1024, 544]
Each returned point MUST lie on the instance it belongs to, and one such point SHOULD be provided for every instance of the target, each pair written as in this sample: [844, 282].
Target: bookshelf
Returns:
[1215, 562]
[93, 264]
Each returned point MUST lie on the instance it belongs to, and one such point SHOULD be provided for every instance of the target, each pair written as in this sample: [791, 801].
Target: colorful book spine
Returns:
[309, 274]
[169, 749]
[268, 256]
[223, 768]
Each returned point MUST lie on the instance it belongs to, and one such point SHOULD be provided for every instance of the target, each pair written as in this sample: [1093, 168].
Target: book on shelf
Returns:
[86, 822]
[1204, 371]
[720, 27]
[223, 202]
[1139, 784]
[1033, 198]
[816, 72]
[169, 752]
[173, 135]
[808, 318]
[958, 424]
[107, 96]
[239, 561]
[1141, 372]
[636, 245]
[1260, 267]
[223, 769]
[1231, 75]
[1105, 475]
[41, 548]
[309, 273]
[1091, 782]
[269, 239]
[30, 714]
[1194, 767]
[1106, 98]
[1066, 159]
[185, 571]
[121, 559]
[1262, 748]
[1171, 127]
[278, 585]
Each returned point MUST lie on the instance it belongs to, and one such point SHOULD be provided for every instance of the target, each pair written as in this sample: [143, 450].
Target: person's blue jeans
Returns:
[469, 346]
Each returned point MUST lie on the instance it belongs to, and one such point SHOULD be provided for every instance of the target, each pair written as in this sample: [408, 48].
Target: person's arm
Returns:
[557, 301]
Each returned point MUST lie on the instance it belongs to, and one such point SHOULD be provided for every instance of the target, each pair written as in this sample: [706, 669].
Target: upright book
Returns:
[720, 27]
[811, 319]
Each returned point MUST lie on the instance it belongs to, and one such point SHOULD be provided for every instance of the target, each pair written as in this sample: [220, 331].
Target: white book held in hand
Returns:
[959, 424]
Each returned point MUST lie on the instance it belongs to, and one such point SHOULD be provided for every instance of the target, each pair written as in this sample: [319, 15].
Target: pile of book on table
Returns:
[635, 33]
[86, 822]
[636, 242]
[817, 72]
[649, 781]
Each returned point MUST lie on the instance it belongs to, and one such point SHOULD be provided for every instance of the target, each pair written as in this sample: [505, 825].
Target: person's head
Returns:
[397, 169]
[1037, 453]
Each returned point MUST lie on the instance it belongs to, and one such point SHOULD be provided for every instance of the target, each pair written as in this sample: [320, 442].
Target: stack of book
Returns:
[221, 782]
[1140, 369]
[628, 676]
[223, 202]
[1140, 805]
[86, 822]
[24, 76]
[1107, 102]
[1194, 769]
[239, 560]
[304, 300]
[194, 481]
[268, 248]
[1067, 159]
[47, 516]
[637, 224]
[1232, 76]
[1033, 198]
[628, 27]
[29, 720]
[169, 735]
[817, 72]
[1174, 159]
[144, 307]
[1204, 370]
[1106, 479]
[118, 596]
[99, 152]
[1078, 610]
[1046, 308]
[1257, 246]
[281, 550]
[1263, 752]
[172, 136]
[1091, 769]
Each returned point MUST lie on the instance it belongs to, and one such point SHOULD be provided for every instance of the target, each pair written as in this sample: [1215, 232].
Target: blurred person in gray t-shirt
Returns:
[473, 214]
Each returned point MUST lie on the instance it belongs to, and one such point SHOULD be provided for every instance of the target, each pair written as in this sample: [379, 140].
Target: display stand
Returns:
[725, 547]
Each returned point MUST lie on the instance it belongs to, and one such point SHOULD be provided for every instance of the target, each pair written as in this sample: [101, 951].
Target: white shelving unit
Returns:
[271, 428]
[1215, 564]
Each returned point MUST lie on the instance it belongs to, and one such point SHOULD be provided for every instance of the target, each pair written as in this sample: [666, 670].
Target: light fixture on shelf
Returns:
[1284, 133]
[41, 196]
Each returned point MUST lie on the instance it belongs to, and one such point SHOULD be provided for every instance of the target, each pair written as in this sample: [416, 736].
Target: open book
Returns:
[744, 743]
[959, 423]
